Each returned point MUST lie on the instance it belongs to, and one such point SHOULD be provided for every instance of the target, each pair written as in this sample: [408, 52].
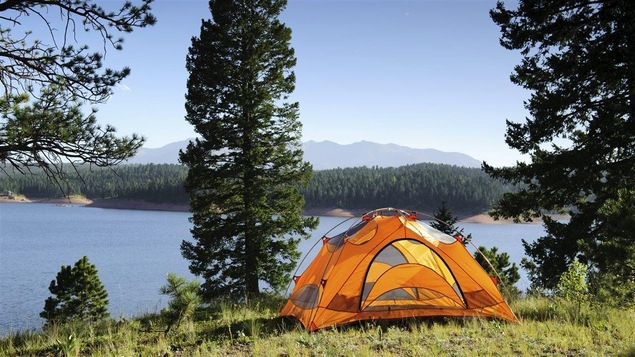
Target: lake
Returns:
[133, 252]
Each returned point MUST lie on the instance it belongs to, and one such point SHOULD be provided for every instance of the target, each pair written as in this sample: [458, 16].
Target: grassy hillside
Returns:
[548, 328]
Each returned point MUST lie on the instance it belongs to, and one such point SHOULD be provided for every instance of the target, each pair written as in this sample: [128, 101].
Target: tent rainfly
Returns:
[391, 265]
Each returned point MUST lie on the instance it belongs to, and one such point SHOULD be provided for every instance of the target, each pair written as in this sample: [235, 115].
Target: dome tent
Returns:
[391, 265]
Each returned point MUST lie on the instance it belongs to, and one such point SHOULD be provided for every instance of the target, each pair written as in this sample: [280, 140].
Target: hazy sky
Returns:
[418, 73]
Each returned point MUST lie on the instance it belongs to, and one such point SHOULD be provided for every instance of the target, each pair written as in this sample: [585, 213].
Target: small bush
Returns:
[572, 285]
[184, 303]
[498, 265]
[77, 294]
[612, 289]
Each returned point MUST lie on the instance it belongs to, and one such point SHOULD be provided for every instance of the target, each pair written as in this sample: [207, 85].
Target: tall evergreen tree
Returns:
[77, 294]
[246, 169]
[579, 64]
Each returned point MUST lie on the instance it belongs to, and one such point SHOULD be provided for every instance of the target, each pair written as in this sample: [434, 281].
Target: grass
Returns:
[548, 328]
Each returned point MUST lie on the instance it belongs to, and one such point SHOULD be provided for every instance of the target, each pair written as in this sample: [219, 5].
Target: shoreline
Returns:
[114, 203]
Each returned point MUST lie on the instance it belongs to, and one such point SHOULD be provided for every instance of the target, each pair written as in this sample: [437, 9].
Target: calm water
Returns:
[133, 252]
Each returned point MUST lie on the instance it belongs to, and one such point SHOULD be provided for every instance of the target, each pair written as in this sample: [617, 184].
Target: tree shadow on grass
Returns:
[266, 327]
[257, 327]
[629, 352]
[409, 324]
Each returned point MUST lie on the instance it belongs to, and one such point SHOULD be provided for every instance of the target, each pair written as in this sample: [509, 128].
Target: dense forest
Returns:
[418, 186]
[155, 183]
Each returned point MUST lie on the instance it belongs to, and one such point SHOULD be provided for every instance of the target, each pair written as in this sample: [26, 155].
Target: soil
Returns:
[113, 203]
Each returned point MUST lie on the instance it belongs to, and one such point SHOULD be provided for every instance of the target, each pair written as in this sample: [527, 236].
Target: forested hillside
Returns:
[151, 183]
[419, 186]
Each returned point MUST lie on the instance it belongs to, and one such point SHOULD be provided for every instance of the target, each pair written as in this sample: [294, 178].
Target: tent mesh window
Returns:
[338, 241]
[307, 297]
[407, 274]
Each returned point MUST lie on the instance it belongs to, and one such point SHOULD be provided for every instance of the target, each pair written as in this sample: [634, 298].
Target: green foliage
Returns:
[470, 189]
[577, 63]
[548, 256]
[572, 288]
[612, 273]
[47, 77]
[246, 169]
[445, 222]
[34, 57]
[572, 285]
[498, 265]
[53, 129]
[575, 314]
[184, 302]
[69, 346]
[612, 289]
[418, 186]
[549, 327]
[77, 294]
[150, 183]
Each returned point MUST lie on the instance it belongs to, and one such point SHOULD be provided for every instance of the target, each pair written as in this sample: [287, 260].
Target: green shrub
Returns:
[77, 294]
[572, 285]
[612, 289]
[498, 265]
[184, 303]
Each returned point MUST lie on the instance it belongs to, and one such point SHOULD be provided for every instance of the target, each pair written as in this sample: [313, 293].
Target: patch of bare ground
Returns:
[11, 199]
[118, 203]
[485, 218]
[333, 212]
[75, 200]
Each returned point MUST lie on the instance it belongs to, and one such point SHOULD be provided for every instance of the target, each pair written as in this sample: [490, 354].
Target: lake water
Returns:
[133, 252]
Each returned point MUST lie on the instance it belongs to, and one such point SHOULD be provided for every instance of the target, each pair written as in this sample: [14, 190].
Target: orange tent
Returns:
[391, 265]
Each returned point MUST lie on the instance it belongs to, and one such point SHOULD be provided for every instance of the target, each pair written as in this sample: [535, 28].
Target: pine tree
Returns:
[46, 77]
[579, 65]
[612, 273]
[445, 221]
[494, 264]
[500, 268]
[246, 169]
[185, 300]
[77, 294]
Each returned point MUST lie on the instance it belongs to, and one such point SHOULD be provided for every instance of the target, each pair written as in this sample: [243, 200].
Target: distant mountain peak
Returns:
[329, 155]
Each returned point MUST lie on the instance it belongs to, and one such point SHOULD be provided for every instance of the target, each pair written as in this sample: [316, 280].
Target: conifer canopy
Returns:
[579, 65]
[77, 293]
[47, 77]
[246, 169]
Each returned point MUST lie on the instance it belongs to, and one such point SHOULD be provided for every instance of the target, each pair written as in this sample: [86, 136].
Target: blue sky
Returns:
[418, 73]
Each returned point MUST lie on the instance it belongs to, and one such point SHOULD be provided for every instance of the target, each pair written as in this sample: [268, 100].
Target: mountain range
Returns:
[326, 155]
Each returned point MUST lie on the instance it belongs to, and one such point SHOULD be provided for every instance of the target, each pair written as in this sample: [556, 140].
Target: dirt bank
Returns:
[75, 200]
[115, 203]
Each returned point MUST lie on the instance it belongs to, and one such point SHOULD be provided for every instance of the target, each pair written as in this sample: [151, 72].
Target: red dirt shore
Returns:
[113, 203]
